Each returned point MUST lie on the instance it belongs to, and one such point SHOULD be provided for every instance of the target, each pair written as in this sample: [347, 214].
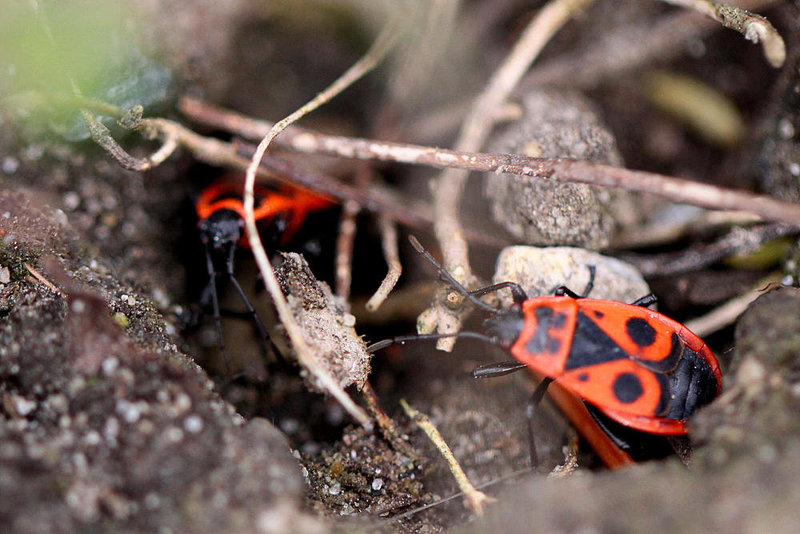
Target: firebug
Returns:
[632, 366]
[221, 214]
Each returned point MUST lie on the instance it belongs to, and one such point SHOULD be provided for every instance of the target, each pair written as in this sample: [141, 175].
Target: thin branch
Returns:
[102, 136]
[40, 277]
[306, 354]
[373, 198]
[439, 502]
[474, 498]
[392, 257]
[663, 230]
[727, 314]
[754, 27]
[344, 248]
[737, 241]
[388, 428]
[618, 50]
[216, 152]
[347, 234]
[449, 186]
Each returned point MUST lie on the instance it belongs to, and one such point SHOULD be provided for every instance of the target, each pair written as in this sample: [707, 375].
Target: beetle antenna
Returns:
[400, 340]
[447, 277]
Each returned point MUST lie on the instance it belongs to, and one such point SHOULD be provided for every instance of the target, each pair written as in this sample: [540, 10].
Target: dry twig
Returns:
[392, 256]
[474, 498]
[344, 248]
[625, 48]
[727, 314]
[737, 241]
[449, 186]
[217, 152]
[754, 27]
[306, 354]
[44, 281]
[565, 170]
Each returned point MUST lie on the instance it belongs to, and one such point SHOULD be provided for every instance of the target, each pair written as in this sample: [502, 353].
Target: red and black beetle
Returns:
[635, 366]
[221, 214]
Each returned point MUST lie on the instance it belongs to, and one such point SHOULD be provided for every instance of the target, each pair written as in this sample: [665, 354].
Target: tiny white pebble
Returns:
[10, 165]
[130, 412]
[5, 275]
[71, 200]
[111, 430]
[24, 406]
[110, 365]
[289, 426]
[786, 128]
[377, 484]
[193, 424]
[152, 501]
[182, 403]
[767, 454]
[78, 306]
[794, 169]
[173, 435]
[92, 437]
[336, 489]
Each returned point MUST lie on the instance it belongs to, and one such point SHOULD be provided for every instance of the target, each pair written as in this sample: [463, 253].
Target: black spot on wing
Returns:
[590, 345]
[559, 320]
[553, 345]
[627, 388]
[640, 331]
[546, 321]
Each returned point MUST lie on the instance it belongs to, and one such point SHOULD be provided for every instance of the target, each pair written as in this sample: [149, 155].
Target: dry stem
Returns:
[754, 27]
[392, 257]
[474, 497]
[449, 186]
[217, 152]
[307, 355]
[727, 313]
[344, 248]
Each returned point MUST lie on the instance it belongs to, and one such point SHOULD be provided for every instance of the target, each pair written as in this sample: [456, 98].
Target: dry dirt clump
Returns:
[100, 429]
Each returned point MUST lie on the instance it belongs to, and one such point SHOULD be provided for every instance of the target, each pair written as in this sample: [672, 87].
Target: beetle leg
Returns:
[251, 312]
[517, 292]
[530, 411]
[561, 291]
[211, 289]
[646, 301]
